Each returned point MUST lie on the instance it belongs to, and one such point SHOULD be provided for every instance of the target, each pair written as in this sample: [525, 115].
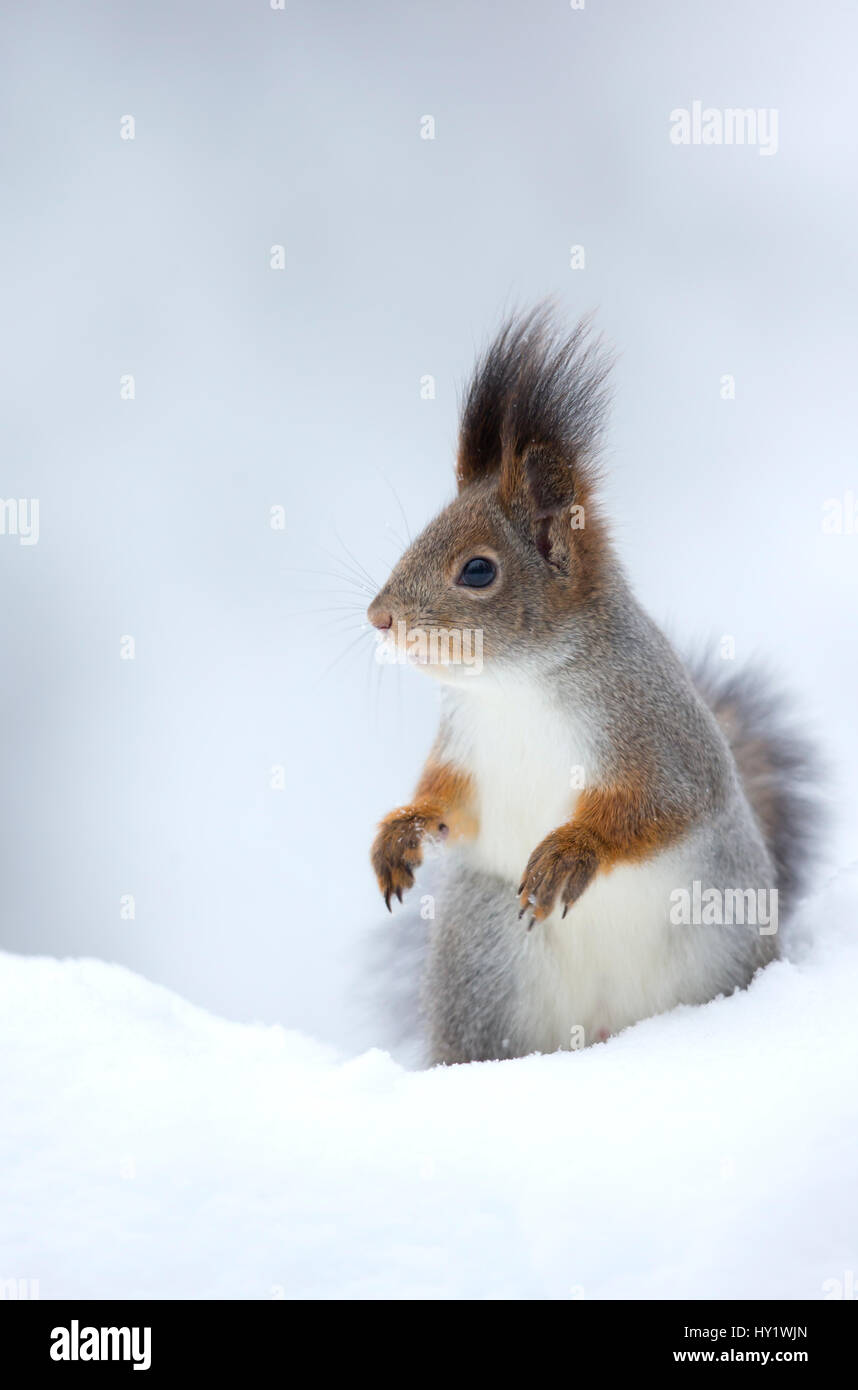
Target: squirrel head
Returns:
[514, 563]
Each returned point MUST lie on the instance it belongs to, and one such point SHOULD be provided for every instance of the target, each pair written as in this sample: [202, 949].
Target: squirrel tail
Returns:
[780, 768]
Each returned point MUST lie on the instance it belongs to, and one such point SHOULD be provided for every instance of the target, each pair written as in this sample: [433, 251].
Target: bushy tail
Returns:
[780, 768]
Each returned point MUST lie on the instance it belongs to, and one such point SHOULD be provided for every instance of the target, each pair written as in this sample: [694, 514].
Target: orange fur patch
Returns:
[625, 823]
[447, 793]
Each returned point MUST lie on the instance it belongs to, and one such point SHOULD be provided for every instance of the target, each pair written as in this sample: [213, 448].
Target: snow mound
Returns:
[150, 1150]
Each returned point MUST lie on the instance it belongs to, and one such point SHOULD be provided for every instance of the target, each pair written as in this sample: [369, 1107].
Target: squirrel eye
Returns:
[477, 573]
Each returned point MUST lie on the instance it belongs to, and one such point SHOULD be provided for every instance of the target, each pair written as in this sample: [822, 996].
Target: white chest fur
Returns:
[528, 760]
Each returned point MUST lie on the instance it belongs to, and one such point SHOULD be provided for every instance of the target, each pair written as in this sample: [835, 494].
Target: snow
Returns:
[152, 1150]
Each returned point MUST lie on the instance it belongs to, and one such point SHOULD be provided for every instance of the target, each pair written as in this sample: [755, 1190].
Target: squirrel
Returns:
[610, 817]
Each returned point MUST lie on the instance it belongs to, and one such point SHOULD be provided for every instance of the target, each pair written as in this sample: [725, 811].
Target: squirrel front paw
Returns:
[398, 849]
[561, 866]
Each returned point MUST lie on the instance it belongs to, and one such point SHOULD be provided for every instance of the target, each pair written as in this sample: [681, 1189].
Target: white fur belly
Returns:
[615, 958]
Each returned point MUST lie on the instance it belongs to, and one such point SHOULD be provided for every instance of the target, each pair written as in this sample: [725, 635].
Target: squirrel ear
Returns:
[545, 493]
[550, 481]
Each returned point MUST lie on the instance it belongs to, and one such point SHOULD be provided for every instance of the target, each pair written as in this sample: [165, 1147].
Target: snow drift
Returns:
[151, 1150]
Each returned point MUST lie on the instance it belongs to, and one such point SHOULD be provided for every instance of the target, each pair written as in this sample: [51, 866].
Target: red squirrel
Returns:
[594, 795]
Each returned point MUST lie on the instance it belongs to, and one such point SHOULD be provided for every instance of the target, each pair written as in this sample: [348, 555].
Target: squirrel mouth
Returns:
[431, 648]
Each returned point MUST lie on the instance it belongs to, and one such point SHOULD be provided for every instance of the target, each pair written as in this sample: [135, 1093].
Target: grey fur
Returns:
[754, 713]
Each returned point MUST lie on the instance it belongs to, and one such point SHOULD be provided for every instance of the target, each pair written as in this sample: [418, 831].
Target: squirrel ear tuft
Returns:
[534, 413]
[487, 399]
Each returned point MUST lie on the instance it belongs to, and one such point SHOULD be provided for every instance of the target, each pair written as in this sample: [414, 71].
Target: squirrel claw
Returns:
[396, 852]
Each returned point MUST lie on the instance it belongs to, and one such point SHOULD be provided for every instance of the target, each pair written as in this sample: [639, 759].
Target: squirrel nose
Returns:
[380, 616]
